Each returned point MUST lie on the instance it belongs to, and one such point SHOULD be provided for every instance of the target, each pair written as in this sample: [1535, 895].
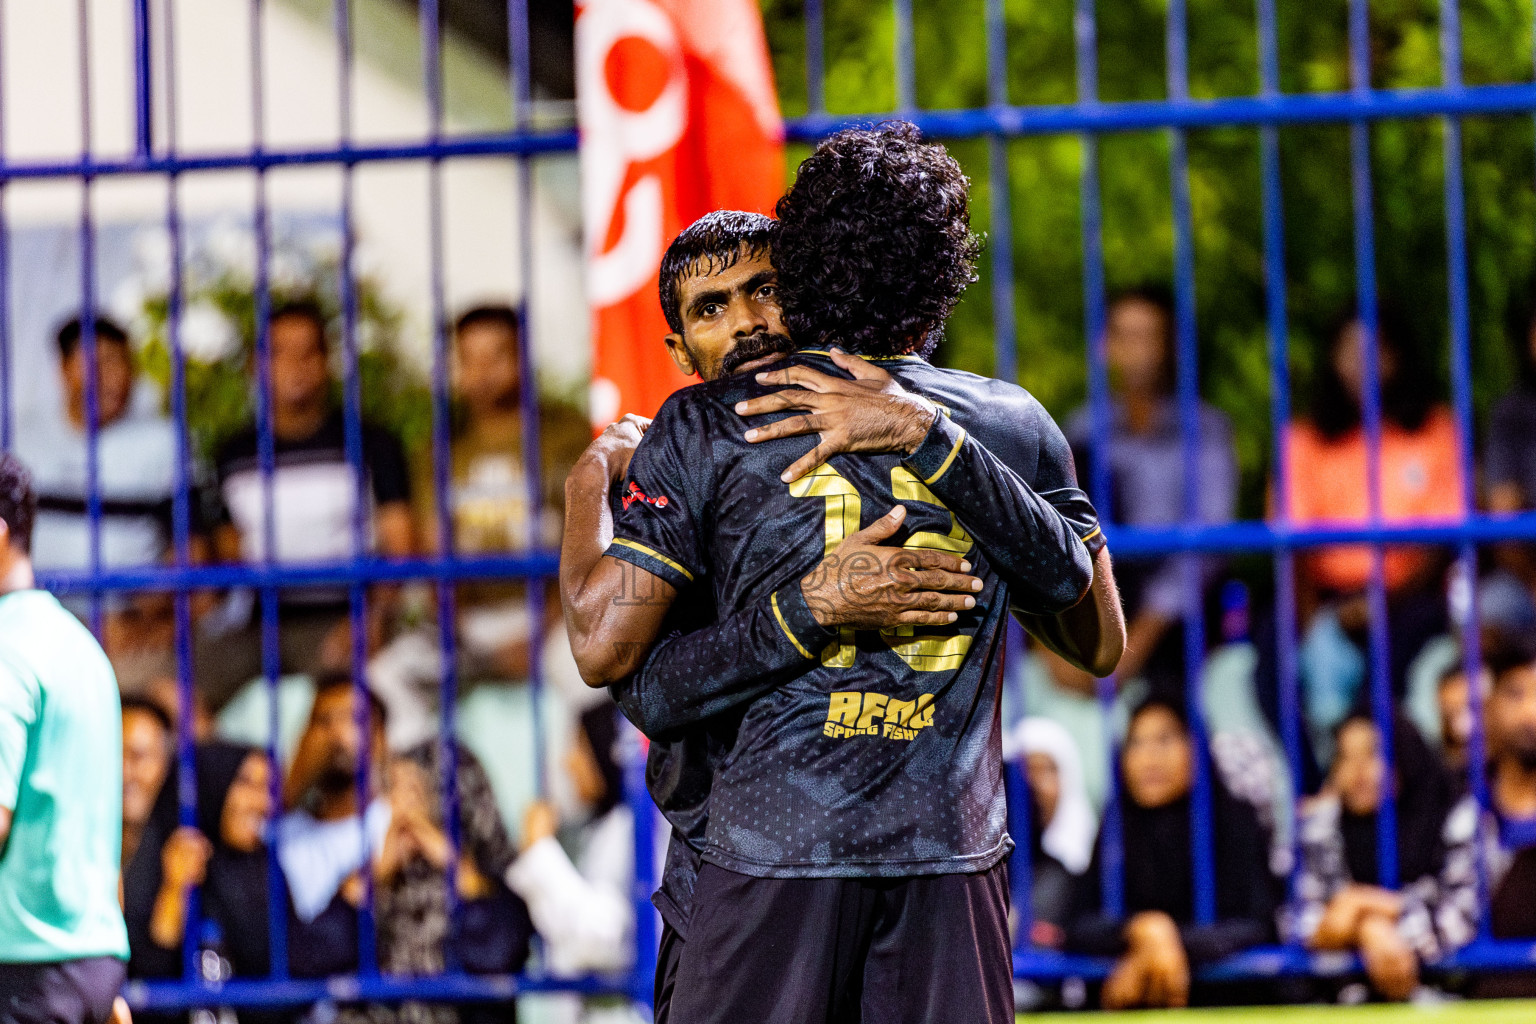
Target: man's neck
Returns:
[297, 422]
[15, 572]
[1141, 408]
[1514, 788]
[336, 806]
[495, 419]
[75, 414]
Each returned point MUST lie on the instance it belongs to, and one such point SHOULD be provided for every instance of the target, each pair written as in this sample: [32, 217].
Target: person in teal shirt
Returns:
[63, 945]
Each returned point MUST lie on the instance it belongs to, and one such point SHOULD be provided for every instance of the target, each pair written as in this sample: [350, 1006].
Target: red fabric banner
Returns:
[678, 117]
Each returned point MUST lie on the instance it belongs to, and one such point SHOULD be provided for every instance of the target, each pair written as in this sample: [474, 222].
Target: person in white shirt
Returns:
[136, 456]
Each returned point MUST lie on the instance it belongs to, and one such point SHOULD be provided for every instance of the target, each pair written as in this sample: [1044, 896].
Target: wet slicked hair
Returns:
[709, 245]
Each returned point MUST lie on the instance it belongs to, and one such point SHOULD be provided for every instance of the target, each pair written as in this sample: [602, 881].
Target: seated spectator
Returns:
[314, 496]
[490, 514]
[1146, 471]
[234, 801]
[1158, 940]
[136, 456]
[1062, 822]
[159, 859]
[582, 909]
[1341, 903]
[1326, 469]
[1453, 698]
[1508, 831]
[323, 854]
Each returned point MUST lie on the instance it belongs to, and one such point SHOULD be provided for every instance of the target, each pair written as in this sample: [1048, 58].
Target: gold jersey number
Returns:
[926, 651]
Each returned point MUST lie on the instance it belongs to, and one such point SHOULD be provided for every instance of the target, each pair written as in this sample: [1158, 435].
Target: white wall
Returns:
[214, 113]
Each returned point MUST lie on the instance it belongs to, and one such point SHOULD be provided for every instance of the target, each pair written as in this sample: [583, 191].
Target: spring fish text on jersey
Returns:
[851, 713]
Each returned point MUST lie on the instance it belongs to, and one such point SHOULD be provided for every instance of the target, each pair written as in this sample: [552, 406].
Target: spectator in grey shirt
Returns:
[1146, 473]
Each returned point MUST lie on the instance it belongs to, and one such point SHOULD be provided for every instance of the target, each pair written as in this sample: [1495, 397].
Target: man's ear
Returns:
[680, 354]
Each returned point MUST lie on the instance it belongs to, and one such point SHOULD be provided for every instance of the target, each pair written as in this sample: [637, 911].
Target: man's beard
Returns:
[755, 346]
[1522, 747]
[336, 780]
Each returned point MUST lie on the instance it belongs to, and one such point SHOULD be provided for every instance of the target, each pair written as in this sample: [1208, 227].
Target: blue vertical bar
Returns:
[352, 442]
[1461, 401]
[1188, 368]
[1370, 414]
[5, 278]
[528, 383]
[266, 460]
[1112, 879]
[815, 57]
[181, 507]
[646, 933]
[143, 82]
[442, 454]
[906, 89]
[1275, 292]
[88, 325]
[1000, 194]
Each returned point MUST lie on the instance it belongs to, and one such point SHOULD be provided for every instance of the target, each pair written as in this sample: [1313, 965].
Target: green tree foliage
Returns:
[1044, 175]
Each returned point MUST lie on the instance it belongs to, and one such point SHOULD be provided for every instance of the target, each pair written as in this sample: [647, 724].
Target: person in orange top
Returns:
[1420, 481]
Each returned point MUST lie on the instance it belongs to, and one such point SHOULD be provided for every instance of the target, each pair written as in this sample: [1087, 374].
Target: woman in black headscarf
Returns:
[1341, 903]
[1157, 939]
[234, 800]
[149, 823]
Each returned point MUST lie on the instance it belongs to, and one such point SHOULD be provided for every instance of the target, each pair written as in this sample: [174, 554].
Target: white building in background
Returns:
[210, 105]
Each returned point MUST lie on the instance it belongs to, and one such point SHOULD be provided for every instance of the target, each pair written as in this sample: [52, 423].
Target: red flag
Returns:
[678, 117]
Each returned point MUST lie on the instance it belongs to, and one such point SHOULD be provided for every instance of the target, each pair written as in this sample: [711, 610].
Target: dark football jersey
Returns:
[883, 757]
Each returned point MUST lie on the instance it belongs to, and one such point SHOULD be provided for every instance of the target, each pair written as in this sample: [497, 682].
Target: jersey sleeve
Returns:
[659, 524]
[1041, 538]
[691, 676]
[18, 713]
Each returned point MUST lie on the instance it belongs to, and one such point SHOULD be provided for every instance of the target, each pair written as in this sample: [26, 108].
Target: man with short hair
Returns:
[321, 849]
[136, 455]
[314, 498]
[62, 938]
[490, 511]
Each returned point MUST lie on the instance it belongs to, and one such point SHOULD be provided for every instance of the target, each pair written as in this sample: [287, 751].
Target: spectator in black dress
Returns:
[1158, 939]
[155, 869]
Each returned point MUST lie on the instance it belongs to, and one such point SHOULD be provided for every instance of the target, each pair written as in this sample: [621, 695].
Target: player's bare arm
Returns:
[5, 827]
[872, 412]
[613, 610]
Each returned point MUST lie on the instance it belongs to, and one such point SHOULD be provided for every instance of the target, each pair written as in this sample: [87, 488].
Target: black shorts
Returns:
[67, 992]
[668, 954]
[931, 949]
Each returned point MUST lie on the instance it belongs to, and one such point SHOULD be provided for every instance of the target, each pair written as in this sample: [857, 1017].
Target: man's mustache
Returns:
[755, 346]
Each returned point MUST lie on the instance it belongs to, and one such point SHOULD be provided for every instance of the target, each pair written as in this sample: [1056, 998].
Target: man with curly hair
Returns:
[854, 863]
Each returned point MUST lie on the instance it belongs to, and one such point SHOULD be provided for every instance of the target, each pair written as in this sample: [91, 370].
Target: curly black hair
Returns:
[710, 244]
[18, 501]
[875, 245]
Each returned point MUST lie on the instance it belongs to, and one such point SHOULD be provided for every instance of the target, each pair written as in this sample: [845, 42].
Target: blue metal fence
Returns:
[1089, 118]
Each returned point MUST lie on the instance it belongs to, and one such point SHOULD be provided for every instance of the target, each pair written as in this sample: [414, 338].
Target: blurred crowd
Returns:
[1305, 866]
[539, 851]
